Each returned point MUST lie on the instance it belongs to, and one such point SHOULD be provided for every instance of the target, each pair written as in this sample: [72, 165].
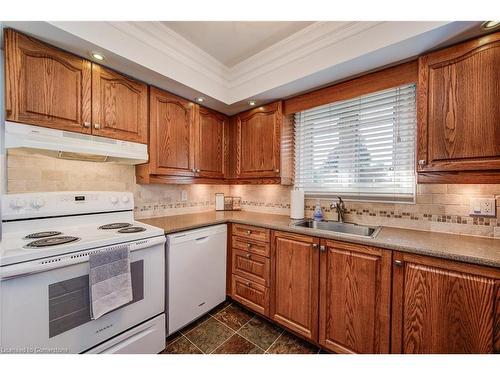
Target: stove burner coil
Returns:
[115, 226]
[132, 230]
[52, 241]
[49, 233]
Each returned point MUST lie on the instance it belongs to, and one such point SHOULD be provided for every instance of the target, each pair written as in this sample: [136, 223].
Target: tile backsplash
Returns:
[439, 207]
[33, 172]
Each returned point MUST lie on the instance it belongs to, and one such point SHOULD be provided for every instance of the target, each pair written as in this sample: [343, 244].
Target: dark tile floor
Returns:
[231, 329]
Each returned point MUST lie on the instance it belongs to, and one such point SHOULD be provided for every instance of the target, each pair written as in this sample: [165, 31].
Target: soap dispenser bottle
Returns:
[318, 212]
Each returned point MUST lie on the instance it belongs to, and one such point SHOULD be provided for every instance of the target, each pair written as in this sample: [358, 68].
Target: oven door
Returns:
[45, 305]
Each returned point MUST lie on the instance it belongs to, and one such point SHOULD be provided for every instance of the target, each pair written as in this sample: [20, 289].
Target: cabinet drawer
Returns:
[248, 231]
[251, 246]
[251, 294]
[252, 267]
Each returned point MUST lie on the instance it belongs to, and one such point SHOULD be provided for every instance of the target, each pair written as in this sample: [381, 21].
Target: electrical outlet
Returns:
[184, 195]
[483, 207]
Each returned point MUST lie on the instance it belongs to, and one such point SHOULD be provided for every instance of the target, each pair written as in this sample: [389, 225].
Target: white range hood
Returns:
[69, 145]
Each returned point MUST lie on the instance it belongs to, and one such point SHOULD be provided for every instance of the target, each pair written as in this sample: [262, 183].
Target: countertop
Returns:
[470, 249]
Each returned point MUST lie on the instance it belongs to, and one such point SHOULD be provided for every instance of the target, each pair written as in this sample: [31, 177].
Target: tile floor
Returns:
[231, 329]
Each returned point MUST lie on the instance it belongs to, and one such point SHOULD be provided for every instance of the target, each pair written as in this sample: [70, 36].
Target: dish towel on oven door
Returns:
[110, 280]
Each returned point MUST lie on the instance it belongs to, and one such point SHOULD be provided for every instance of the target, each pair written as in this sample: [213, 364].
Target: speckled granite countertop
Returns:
[477, 250]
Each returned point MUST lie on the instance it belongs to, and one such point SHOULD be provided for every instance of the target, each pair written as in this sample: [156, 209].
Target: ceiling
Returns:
[233, 42]
[229, 63]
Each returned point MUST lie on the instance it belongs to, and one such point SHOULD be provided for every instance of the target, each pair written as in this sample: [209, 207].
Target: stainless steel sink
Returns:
[334, 226]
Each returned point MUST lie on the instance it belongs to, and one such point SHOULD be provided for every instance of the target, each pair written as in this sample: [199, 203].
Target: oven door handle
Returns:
[46, 264]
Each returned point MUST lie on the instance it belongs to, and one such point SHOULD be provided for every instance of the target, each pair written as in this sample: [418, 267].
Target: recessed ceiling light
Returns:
[97, 56]
[489, 25]
[199, 99]
[252, 102]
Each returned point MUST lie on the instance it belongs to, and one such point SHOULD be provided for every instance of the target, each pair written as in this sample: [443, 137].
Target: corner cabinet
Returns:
[262, 144]
[187, 143]
[458, 113]
[355, 295]
[444, 307]
[46, 86]
[211, 143]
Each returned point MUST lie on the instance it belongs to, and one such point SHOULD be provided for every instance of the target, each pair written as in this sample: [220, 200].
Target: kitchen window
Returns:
[362, 148]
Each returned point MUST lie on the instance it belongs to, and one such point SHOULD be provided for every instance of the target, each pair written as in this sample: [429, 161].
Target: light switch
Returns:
[483, 207]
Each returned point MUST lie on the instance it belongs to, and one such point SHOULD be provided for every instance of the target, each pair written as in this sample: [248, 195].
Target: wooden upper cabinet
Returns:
[295, 283]
[46, 86]
[441, 306]
[355, 295]
[172, 127]
[257, 142]
[211, 144]
[119, 106]
[458, 113]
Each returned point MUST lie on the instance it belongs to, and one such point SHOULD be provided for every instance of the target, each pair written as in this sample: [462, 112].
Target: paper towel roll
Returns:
[297, 204]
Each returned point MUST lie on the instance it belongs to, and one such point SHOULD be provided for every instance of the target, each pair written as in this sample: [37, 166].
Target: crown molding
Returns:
[321, 53]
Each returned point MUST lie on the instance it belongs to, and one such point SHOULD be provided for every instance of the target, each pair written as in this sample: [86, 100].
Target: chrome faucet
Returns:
[340, 207]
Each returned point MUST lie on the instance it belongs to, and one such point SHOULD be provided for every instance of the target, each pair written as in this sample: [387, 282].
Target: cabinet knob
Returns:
[249, 245]
[249, 284]
[197, 171]
[422, 162]
[249, 232]
[277, 170]
[86, 124]
[97, 126]
[398, 263]
[193, 170]
[322, 248]
[314, 246]
[249, 255]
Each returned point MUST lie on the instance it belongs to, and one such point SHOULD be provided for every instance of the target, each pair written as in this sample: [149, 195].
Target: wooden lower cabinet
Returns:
[250, 266]
[352, 298]
[295, 283]
[355, 294]
[250, 294]
[441, 306]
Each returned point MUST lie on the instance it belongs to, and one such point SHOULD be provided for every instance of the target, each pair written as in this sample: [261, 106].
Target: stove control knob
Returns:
[113, 199]
[125, 199]
[18, 204]
[37, 203]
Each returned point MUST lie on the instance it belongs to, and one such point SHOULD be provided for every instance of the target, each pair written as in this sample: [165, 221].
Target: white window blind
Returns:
[361, 148]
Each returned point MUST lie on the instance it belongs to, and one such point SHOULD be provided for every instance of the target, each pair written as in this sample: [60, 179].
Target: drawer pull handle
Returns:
[249, 255]
[398, 263]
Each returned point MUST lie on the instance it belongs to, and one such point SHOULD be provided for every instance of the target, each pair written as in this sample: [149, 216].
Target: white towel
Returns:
[110, 280]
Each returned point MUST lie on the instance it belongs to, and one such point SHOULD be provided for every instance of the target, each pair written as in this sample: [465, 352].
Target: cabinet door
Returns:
[442, 306]
[355, 287]
[459, 115]
[295, 283]
[172, 122]
[211, 144]
[119, 106]
[46, 86]
[258, 142]
[251, 294]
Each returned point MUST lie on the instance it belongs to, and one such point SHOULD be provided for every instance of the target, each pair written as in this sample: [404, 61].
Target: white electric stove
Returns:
[44, 291]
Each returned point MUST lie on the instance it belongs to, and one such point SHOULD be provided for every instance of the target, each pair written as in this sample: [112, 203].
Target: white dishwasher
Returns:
[196, 274]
